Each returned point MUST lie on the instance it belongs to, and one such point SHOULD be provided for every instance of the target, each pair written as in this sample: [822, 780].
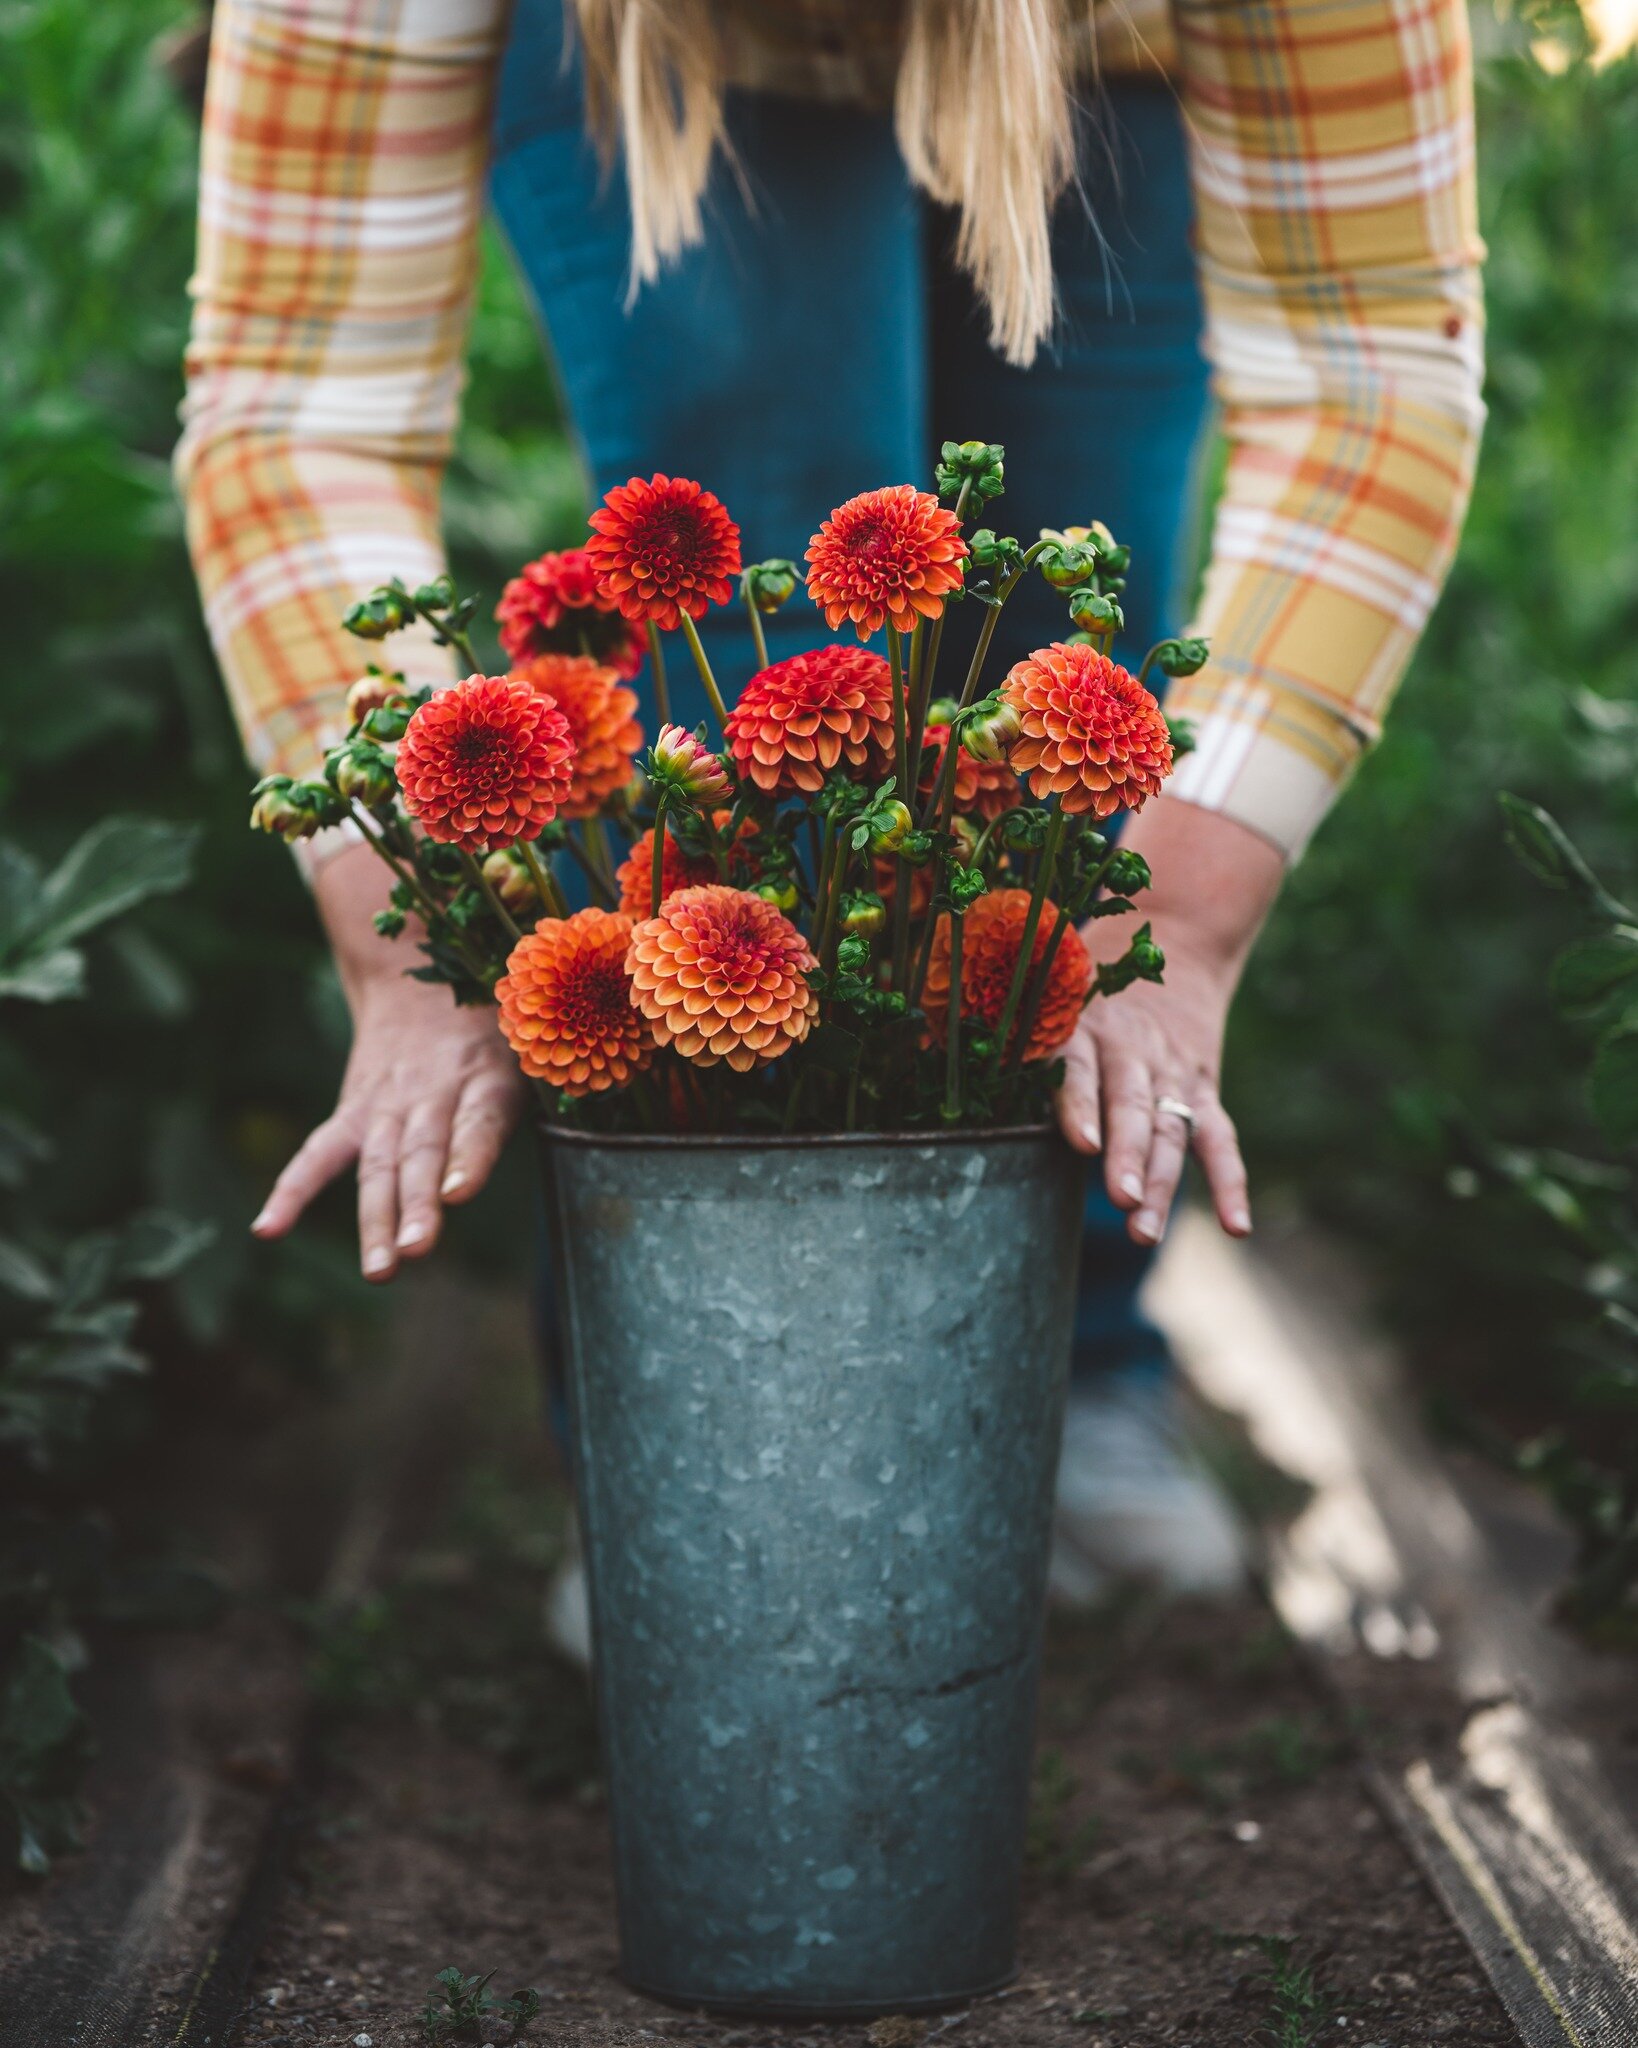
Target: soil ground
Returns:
[1206, 1866]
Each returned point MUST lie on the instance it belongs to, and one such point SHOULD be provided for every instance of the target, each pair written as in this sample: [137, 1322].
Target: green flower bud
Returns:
[965, 834]
[895, 822]
[981, 464]
[965, 885]
[436, 596]
[942, 711]
[853, 954]
[363, 774]
[1095, 613]
[864, 912]
[1066, 565]
[1127, 873]
[683, 767]
[510, 879]
[373, 689]
[389, 923]
[1181, 657]
[781, 893]
[770, 584]
[384, 611]
[294, 810]
[990, 729]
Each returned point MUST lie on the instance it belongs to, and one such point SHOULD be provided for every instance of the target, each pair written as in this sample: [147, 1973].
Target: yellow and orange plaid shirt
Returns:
[1332, 157]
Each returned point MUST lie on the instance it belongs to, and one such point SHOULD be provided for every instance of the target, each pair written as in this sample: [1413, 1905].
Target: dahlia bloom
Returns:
[485, 763]
[1093, 737]
[990, 940]
[553, 606]
[678, 870]
[663, 548]
[566, 1005]
[602, 715]
[983, 789]
[684, 767]
[721, 974]
[888, 555]
[796, 720]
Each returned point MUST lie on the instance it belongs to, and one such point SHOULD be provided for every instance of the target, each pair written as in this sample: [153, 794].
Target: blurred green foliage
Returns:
[1398, 991]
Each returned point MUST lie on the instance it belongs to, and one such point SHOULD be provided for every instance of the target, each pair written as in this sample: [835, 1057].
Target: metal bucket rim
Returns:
[782, 1141]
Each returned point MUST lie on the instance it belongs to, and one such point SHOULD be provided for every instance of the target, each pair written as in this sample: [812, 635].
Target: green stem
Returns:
[902, 890]
[757, 633]
[1026, 948]
[833, 900]
[821, 881]
[546, 883]
[952, 1044]
[901, 766]
[431, 912]
[474, 873]
[656, 655]
[657, 868]
[1038, 984]
[691, 633]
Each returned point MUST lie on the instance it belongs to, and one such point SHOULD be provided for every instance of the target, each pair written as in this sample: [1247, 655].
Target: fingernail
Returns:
[378, 1260]
[454, 1181]
[1146, 1224]
[1240, 1220]
[1131, 1185]
[261, 1221]
[1091, 1136]
[411, 1234]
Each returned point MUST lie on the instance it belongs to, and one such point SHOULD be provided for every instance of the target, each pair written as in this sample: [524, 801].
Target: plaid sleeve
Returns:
[341, 191]
[1332, 149]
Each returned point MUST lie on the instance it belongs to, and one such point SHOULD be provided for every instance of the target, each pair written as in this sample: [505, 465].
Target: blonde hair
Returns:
[984, 109]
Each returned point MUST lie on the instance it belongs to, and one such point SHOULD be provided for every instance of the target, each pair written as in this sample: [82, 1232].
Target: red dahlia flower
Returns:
[663, 548]
[485, 763]
[678, 870]
[990, 939]
[602, 715]
[566, 1007]
[1093, 737]
[892, 555]
[796, 720]
[553, 606]
[722, 975]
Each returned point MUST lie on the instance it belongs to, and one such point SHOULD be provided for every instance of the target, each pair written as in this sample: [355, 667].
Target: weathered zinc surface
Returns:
[818, 1391]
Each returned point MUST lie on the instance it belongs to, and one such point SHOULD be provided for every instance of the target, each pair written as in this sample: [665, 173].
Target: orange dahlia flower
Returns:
[663, 548]
[892, 555]
[566, 1007]
[678, 870]
[1093, 737]
[485, 763]
[990, 940]
[796, 720]
[722, 975]
[983, 789]
[553, 606]
[602, 715]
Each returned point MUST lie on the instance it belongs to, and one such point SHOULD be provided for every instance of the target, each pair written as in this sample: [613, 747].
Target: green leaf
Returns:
[42, 1749]
[1613, 1085]
[119, 863]
[24, 1275]
[46, 978]
[21, 1146]
[1590, 971]
[1541, 843]
[155, 1245]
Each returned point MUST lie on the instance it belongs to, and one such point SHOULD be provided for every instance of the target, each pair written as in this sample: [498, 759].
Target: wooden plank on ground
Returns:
[1480, 1716]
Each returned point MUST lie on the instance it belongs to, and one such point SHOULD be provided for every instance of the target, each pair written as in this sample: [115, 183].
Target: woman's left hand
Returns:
[1159, 1044]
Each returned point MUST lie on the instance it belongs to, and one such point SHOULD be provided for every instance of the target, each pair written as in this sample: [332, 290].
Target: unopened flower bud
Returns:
[781, 894]
[965, 834]
[991, 729]
[1065, 565]
[293, 810]
[864, 912]
[771, 584]
[942, 711]
[370, 693]
[506, 873]
[853, 954]
[682, 766]
[1095, 613]
[896, 822]
[363, 774]
[1181, 657]
[436, 596]
[979, 464]
[965, 885]
[388, 923]
[384, 611]
[1127, 873]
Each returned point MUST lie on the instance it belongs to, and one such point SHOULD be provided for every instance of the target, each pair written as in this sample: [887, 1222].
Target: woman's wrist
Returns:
[1214, 883]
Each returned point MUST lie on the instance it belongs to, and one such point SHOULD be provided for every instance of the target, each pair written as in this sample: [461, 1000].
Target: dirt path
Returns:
[1205, 1868]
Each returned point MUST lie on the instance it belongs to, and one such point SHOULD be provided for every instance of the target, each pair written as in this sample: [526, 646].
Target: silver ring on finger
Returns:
[1170, 1105]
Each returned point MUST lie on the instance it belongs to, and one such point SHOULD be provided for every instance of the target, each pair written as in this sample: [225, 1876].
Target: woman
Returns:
[824, 292]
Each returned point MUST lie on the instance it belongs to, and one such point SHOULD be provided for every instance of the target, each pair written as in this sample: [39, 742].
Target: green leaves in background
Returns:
[118, 864]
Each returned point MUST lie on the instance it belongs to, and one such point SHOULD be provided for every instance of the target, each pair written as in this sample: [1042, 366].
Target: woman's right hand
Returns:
[429, 1097]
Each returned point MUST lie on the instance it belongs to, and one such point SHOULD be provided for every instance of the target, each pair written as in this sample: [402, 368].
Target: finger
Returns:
[326, 1152]
[1128, 1116]
[1218, 1145]
[484, 1117]
[1079, 1111]
[378, 1196]
[1168, 1148]
[422, 1153]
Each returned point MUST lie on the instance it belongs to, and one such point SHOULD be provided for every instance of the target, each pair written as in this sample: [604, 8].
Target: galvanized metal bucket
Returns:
[817, 1391]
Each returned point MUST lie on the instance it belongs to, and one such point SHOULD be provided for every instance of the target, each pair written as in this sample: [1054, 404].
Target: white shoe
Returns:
[568, 1608]
[1133, 1503]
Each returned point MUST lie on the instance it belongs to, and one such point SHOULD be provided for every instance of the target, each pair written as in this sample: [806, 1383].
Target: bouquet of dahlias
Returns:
[853, 904]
